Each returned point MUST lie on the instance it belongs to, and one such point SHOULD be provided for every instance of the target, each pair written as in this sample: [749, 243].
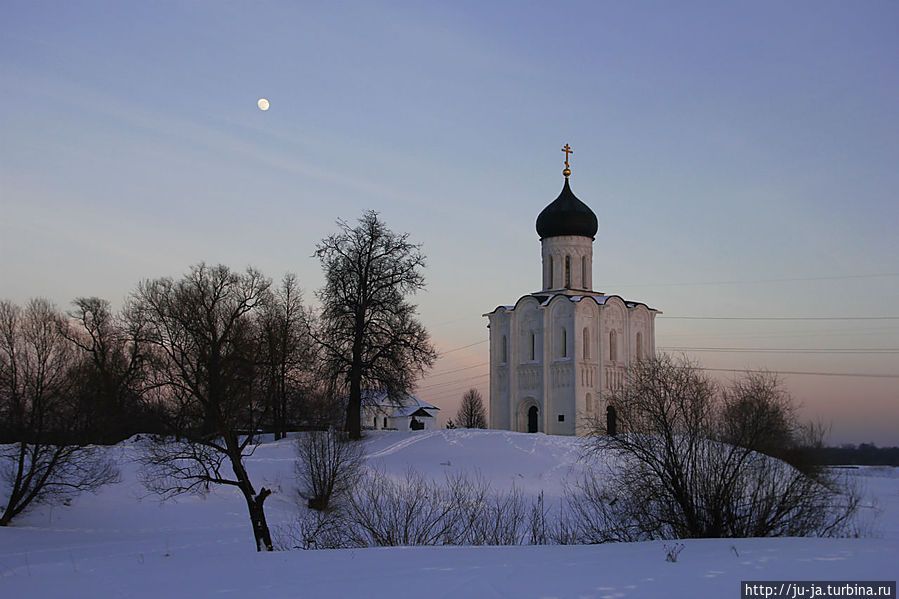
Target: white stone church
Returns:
[556, 353]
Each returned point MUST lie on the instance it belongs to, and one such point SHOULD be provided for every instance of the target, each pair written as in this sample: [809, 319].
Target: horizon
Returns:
[740, 160]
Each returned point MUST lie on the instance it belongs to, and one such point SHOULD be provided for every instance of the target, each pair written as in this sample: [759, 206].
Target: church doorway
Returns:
[532, 419]
[528, 416]
[611, 421]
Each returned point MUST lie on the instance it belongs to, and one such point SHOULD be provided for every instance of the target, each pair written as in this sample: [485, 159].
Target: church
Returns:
[556, 354]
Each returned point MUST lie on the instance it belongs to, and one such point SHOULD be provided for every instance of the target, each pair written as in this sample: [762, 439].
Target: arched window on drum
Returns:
[549, 272]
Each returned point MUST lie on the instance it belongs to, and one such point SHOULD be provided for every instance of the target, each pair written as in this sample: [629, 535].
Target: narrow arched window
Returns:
[613, 349]
[505, 350]
[533, 352]
[567, 272]
[639, 346]
[584, 272]
[549, 272]
[586, 343]
[563, 347]
[589, 402]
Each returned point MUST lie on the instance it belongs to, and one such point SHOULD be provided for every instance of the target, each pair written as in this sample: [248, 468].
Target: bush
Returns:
[413, 510]
[690, 463]
[382, 511]
[327, 467]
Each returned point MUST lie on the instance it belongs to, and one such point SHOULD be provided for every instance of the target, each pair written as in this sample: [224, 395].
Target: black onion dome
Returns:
[567, 215]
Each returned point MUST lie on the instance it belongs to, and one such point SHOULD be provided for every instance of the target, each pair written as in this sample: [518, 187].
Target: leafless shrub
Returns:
[327, 467]
[678, 475]
[537, 527]
[601, 513]
[672, 551]
[460, 510]
[501, 520]
[315, 529]
[412, 511]
[865, 524]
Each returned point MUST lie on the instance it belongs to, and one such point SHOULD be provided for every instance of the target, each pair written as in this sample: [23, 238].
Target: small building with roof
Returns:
[557, 354]
[397, 411]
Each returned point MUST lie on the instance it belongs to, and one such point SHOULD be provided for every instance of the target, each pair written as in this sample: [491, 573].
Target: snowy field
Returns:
[124, 543]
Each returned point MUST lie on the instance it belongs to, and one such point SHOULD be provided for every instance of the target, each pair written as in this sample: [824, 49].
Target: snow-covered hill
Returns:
[124, 543]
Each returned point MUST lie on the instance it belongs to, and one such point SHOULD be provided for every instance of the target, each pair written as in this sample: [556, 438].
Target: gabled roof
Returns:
[411, 411]
[400, 400]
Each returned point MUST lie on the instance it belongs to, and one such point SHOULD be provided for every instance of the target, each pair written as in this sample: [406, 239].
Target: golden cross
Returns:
[567, 149]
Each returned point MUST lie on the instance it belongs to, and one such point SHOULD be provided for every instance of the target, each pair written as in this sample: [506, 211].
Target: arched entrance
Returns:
[528, 416]
[532, 419]
[611, 421]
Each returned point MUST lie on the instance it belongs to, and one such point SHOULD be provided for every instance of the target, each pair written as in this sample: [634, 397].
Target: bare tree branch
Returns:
[44, 459]
[690, 461]
[205, 331]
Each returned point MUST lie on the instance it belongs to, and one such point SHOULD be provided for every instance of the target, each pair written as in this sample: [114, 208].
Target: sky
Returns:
[741, 159]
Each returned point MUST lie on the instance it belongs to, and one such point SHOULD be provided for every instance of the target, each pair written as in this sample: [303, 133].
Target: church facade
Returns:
[556, 354]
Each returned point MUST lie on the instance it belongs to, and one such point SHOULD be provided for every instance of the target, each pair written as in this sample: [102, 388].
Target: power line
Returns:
[450, 383]
[871, 350]
[449, 351]
[783, 280]
[465, 382]
[454, 387]
[851, 374]
[439, 396]
[433, 374]
[780, 317]
[454, 321]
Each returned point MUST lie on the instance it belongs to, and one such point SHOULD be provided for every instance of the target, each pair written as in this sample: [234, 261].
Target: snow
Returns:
[125, 543]
[401, 400]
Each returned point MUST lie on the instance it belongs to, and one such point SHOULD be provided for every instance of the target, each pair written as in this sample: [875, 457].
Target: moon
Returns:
[262, 104]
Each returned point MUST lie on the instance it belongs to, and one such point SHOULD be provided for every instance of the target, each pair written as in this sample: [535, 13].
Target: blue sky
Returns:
[741, 159]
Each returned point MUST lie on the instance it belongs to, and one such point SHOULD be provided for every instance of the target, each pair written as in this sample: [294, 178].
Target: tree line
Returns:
[206, 362]
[863, 454]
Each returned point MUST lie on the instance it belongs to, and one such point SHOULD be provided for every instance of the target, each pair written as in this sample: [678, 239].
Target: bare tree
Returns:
[679, 475]
[286, 352]
[471, 413]
[110, 373]
[44, 460]
[368, 335]
[757, 413]
[205, 338]
[329, 464]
